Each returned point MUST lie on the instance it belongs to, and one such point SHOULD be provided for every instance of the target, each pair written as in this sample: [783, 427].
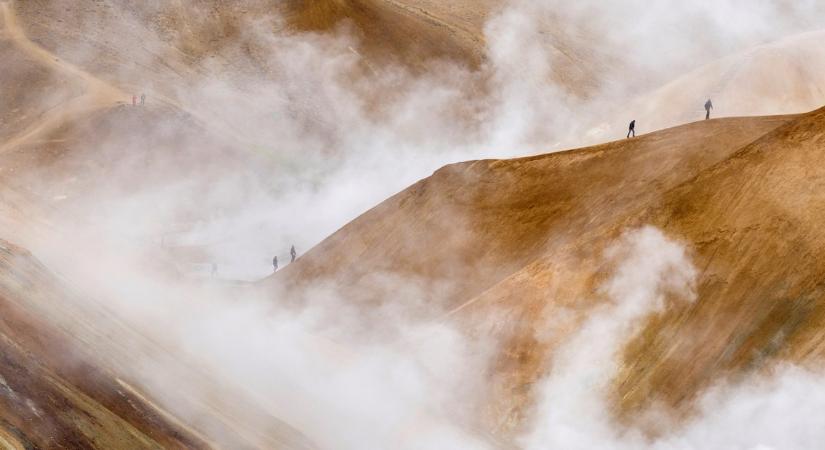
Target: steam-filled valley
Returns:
[375, 224]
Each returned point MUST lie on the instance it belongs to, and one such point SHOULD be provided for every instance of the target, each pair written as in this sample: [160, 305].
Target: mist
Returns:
[320, 138]
[263, 160]
[772, 409]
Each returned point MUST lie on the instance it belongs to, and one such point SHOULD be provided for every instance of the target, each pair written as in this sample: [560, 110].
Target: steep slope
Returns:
[176, 37]
[482, 241]
[51, 398]
[519, 209]
[69, 138]
[68, 377]
[24, 82]
[408, 30]
[163, 46]
[501, 246]
[71, 90]
[754, 222]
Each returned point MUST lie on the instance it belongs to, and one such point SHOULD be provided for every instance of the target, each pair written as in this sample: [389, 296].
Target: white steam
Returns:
[317, 152]
[573, 412]
[777, 410]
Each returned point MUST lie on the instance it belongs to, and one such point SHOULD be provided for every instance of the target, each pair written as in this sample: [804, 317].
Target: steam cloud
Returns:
[328, 158]
[324, 154]
[774, 411]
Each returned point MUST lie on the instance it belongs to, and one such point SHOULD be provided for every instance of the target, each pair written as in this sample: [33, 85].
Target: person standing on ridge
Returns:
[631, 128]
[142, 99]
[293, 253]
[275, 263]
[708, 107]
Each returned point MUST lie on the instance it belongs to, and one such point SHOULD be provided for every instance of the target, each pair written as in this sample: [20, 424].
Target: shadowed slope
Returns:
[69, 365]
[399, 30]
[51, 396]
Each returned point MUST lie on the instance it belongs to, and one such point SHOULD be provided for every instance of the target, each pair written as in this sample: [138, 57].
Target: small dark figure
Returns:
[134, 100]
[631, 129]
[214, 270]
[142, 99]
[708, 107]
[293, 253]
[275, 263]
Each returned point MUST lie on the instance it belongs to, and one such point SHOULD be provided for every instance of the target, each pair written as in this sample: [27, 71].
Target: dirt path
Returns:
[97, 93]
[96, 87]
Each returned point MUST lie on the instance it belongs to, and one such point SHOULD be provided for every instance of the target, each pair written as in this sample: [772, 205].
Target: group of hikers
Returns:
[142, 100]
[292, 253]
[631, 129]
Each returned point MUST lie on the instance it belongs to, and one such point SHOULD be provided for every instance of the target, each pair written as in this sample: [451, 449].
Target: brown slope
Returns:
[162, 46]
[501, 245]
[410, 31]
[49, 395]
[755, 223]
[69, 377]
[475, 223]
[173, 38]
[115, 151]
[23, 83]
[749, 314]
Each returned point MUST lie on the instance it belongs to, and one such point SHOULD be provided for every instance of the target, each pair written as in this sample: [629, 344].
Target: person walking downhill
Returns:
[708, 107]
[142, 99]
[293, 253]
[275, 263]
[631, 129]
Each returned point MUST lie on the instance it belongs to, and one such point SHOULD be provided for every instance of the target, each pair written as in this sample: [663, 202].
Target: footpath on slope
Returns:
[97, 93]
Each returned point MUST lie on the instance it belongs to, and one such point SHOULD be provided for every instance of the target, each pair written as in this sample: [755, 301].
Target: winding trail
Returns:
[97, 93]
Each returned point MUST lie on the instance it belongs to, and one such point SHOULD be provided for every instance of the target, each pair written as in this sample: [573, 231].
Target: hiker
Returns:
[142, 99]
[214, 270]
[708, 107]
[275, 263]
[631, 129]
[134, 100]
[293, 253]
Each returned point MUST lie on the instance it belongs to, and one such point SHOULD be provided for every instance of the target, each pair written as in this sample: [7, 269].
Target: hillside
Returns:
[411, 31]
[761, 299]
[518, 208]
[502, 246]
[261, 118]
[48, 400]
[70, 377]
